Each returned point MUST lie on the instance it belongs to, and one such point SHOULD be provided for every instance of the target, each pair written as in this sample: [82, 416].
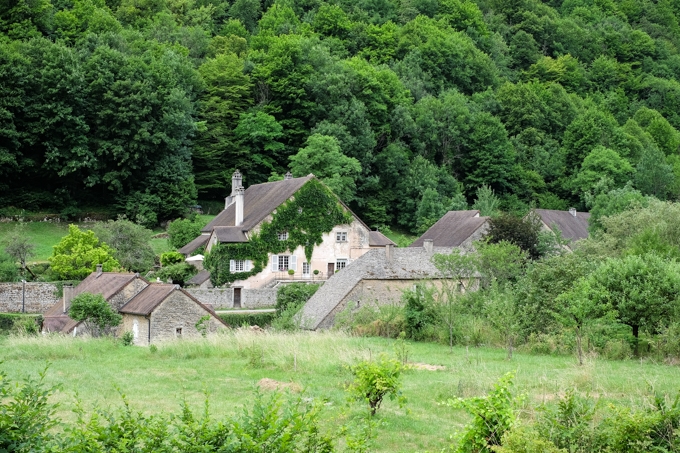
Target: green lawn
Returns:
[43, 234]
[229, 367]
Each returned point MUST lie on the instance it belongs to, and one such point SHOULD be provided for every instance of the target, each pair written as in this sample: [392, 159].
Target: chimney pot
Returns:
[389, 252]
[240, 200]
[99, 270]
[288, 176]
[428, 245]
[236, 183]
[572, 211]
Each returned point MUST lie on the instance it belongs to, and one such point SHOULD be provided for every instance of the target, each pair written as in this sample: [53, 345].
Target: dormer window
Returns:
[283, 236]
[341, 236]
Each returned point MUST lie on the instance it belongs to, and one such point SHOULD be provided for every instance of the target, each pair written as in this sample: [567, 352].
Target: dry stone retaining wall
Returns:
[38, 297]
[223, 298]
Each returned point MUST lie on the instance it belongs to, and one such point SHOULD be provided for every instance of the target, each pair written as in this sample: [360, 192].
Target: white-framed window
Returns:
[240, 265]
[341, 263]
[341, 236]
[284, 262]
[283, 236]
[305, 268]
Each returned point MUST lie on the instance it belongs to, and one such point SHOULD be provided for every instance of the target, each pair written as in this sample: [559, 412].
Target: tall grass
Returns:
[230, 365]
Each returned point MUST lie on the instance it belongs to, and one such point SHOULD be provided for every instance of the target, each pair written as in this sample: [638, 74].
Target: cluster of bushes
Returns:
[19, 323]
[576, 424]
[617, 294]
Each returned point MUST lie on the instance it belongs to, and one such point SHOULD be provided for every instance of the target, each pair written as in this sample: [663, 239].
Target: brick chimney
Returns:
[236, 182]
[428, 245]
[288, 176]
[239, 200]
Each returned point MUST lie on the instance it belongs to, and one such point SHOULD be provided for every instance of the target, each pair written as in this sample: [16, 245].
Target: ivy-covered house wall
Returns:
[311, 231]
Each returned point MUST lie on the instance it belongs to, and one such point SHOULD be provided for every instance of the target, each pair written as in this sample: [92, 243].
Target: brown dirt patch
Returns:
[426, 366]
[271, 384]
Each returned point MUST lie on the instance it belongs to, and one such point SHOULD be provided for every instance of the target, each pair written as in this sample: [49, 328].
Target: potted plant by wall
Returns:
[316, 271]
[291, 272]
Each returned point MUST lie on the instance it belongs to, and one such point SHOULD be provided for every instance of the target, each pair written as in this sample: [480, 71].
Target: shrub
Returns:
[524, 440]
[95, 313]
[374, 320]
[493, 415]
[293, 295]
[183, 231]
[170, 258]
[250, 319]
[78, 254]
[128, 338]
[419, 310]
[374, 380]
[129, 241]
[178, 273]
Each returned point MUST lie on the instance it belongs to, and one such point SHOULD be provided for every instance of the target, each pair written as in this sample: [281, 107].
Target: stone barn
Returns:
[166, 312]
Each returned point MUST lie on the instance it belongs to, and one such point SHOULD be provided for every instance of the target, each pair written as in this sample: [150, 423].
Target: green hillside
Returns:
[403, 107]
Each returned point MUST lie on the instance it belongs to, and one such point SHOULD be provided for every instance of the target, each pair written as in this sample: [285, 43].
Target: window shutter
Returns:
[249, 265]
[275, 263]
[293, 262]
[232, 265]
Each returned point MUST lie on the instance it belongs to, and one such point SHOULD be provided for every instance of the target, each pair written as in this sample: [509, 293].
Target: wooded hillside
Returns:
[149, 105]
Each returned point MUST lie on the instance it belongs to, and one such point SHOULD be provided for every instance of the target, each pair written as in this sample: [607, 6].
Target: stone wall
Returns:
[176, 317]
[38, 298]
[223, 298]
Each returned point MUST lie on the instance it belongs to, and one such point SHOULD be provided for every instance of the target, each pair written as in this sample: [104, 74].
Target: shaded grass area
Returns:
[248, 319]
[229, 367]
[401, 238]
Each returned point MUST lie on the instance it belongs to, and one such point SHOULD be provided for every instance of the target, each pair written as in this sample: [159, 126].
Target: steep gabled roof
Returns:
[572, 227]
[260, 200]
[148, 299]
[453, 229]
[108, 284]
[377, 239]
[194, 245]
[405, 264]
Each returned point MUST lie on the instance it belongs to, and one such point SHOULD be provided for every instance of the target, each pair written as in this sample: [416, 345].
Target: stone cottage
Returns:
[378, 277]
[165, 312]
[248, 210]
[152, 312]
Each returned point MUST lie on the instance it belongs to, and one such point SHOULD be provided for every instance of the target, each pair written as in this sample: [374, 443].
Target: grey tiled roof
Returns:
[259, 201]
[199, 278]
[230, 234]
[406, 264]
[572, 227]
[454, 228]
[194, 245]
[377, 239]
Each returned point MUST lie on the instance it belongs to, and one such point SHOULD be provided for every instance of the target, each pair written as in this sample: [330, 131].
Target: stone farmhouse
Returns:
[152, 312]
[377, 278]
[247, 210]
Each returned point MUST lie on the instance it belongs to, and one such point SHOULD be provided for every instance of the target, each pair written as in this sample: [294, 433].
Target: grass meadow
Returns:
[230, 366]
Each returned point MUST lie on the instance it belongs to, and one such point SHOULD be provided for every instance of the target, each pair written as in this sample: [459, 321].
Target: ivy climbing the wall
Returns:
[312, 211]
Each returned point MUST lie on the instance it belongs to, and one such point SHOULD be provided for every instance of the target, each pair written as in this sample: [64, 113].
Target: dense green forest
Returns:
[149, 105]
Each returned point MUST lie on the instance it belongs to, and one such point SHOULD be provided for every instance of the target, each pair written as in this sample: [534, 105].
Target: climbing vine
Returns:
[312, 211]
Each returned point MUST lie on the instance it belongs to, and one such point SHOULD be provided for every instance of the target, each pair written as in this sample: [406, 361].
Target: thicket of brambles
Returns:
[143, 106]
